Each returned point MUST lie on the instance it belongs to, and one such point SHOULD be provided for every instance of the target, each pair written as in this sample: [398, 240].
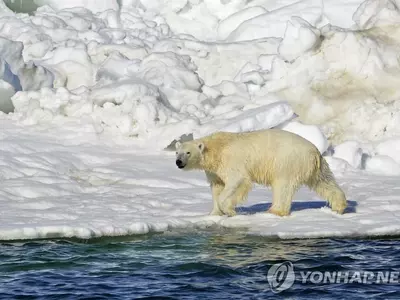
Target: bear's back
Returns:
[275, 137]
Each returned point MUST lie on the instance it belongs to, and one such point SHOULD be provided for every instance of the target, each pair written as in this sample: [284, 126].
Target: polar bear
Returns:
[272, 157]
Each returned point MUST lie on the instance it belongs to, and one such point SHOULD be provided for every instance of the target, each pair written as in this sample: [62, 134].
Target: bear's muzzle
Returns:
[180, 164]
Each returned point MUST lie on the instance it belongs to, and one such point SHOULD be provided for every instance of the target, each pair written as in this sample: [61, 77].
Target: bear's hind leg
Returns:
[282, 196]
[326, 186]
[333, 194]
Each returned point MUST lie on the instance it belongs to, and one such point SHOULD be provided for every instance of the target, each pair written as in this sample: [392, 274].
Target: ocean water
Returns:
[214, 264]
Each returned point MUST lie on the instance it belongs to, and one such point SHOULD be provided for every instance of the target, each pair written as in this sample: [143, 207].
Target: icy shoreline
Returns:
[99, 91]
[56, 184]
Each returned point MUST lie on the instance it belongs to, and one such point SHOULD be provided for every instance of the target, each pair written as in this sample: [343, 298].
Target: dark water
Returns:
[193, 265]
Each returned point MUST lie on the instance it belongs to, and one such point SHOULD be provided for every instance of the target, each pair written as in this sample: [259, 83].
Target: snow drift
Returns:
[140, 66]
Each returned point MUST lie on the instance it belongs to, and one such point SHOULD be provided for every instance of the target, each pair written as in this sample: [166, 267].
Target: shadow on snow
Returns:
[296, 206]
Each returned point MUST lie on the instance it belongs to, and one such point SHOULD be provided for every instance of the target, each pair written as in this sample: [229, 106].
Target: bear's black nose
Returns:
[179, 163]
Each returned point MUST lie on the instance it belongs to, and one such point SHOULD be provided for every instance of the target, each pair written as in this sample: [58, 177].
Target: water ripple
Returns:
[197, 265]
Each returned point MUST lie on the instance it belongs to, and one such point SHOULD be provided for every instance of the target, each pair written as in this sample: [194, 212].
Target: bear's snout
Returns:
[180, 164]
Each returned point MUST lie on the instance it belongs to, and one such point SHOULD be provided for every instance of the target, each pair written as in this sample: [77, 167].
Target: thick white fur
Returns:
[234, 161]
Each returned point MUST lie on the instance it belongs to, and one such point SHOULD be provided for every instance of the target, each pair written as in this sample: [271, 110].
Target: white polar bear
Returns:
[284, 160]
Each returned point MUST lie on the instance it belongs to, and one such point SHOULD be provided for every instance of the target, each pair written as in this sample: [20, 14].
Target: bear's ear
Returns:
[178, 145]
[201, 147]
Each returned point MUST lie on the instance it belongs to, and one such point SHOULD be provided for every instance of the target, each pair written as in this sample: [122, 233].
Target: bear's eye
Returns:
[188, 153]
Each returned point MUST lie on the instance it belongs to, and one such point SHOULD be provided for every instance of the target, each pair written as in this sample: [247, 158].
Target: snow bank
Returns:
[339, 87]
[273, 24]
[380, 157]
[16, 75]
[30, 6]
[349, 151]
[384, 158]
[119, 69]
[267, 116]
[389, 148]
[6, 92]
[93, 5]
[156, 70]
[340, 78]
[382, 165]
[309, 132]
[4, 10]
[300, 37]
[226, 26]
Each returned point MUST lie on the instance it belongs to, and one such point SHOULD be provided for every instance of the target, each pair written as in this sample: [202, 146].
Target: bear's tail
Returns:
[325, 185]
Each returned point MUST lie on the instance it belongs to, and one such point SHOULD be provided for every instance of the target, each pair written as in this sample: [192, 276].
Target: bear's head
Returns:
[189, 154]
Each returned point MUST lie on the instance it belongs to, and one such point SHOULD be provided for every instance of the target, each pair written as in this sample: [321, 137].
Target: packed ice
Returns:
[93, 93]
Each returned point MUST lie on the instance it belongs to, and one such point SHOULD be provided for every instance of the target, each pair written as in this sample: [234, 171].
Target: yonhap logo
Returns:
[281, 277]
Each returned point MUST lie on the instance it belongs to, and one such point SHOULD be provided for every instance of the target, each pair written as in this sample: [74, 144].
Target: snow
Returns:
[272, 24]
[390, 147]
[384, 158]
[349, 151]
[382, 164]
[299, 38]
[93, 5]
[71, 182]
[93, 92]
[226, 26]
[6, 92]
[311, 133]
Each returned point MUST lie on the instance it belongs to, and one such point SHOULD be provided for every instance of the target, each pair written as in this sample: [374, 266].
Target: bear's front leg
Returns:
[226, 202]
[233, 193]
[229, 209]
[216, 190]
[216, 186]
